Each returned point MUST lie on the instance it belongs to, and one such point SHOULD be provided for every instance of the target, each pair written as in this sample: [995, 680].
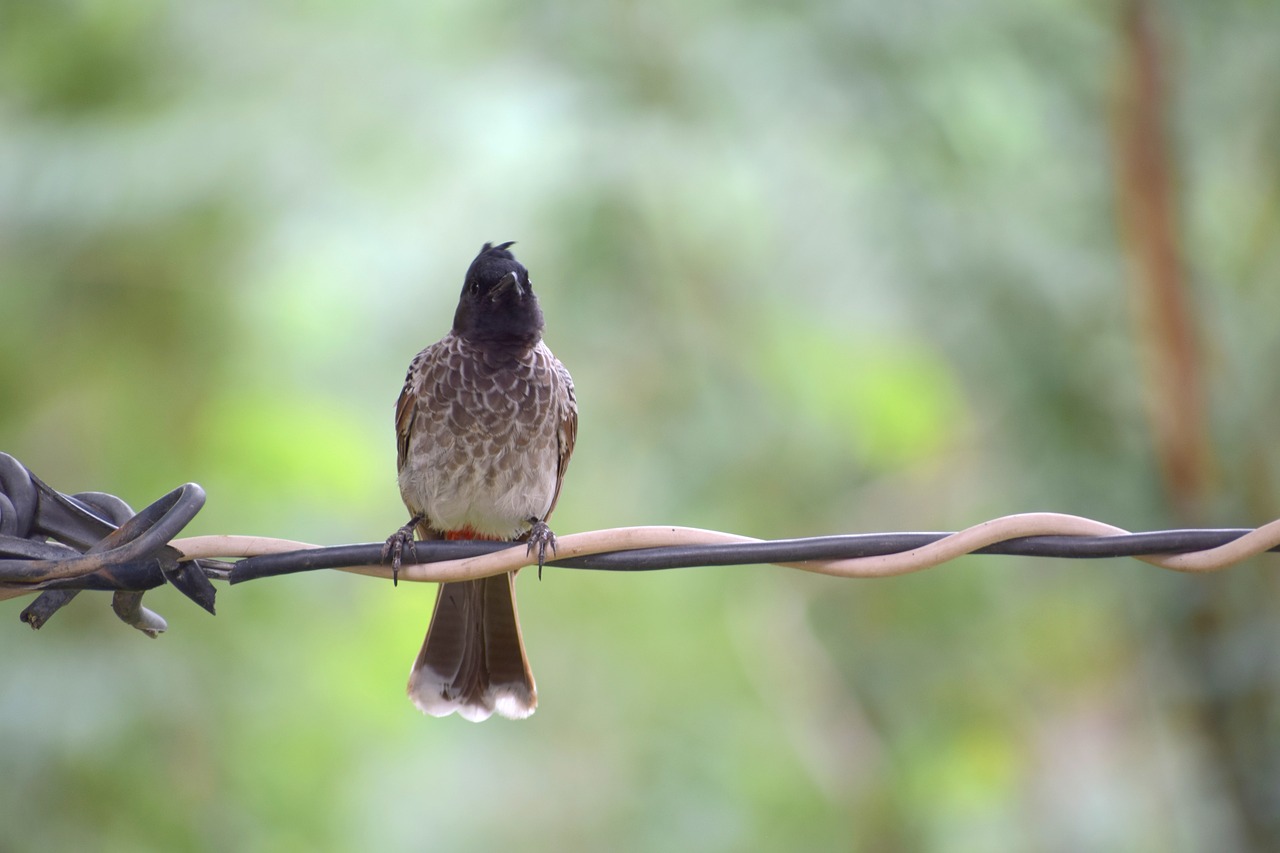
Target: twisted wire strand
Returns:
[854, 556]
[56, 545]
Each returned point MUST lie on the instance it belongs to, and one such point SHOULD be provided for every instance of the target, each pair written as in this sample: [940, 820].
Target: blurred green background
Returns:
[816, 267]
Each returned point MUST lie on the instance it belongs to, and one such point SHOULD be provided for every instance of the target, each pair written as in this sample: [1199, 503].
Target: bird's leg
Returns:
[540, 536]
[394, 547]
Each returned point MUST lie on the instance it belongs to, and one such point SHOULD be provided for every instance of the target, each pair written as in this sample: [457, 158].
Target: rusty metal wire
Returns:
[57, 544]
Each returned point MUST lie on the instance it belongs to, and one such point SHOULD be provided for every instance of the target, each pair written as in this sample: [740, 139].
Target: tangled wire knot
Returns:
[61, 544]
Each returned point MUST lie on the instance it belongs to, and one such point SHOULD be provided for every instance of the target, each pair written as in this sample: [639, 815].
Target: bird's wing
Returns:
[567, 431]
[420, 379]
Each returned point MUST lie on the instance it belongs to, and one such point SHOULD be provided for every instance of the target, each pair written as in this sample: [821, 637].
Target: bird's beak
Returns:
[507, 281]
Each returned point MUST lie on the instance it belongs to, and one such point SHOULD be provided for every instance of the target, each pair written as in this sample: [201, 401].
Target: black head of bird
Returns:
[498, 305]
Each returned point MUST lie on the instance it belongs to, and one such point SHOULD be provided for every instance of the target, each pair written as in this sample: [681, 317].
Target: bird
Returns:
[485, 425]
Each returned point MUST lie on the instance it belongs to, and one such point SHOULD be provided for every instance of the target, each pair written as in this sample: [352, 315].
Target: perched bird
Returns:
[485, 427]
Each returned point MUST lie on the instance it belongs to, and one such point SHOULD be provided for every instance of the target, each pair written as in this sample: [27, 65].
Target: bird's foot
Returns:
[393, 549]
[540, 537]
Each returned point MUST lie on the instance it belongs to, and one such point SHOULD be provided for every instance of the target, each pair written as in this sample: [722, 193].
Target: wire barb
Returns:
[58, 544]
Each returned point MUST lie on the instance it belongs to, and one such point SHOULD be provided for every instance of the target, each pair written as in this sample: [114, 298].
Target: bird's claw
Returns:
[393, 548]
[540, 537]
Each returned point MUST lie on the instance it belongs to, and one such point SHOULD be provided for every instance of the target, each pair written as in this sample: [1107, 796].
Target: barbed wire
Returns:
[56, 545]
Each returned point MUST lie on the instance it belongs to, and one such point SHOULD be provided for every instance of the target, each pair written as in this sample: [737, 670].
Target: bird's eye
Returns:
[474, 287]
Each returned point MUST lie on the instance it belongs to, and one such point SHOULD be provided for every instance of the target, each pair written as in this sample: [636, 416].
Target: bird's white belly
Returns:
[492, 494]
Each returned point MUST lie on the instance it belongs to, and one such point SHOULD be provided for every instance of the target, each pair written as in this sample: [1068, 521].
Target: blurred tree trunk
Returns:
[1149, 222]
[1232, 707]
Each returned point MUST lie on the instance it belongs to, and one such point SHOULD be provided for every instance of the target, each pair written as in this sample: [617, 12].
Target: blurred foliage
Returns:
[816, 267]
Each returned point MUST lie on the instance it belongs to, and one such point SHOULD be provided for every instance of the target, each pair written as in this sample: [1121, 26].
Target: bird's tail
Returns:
[473, 658]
